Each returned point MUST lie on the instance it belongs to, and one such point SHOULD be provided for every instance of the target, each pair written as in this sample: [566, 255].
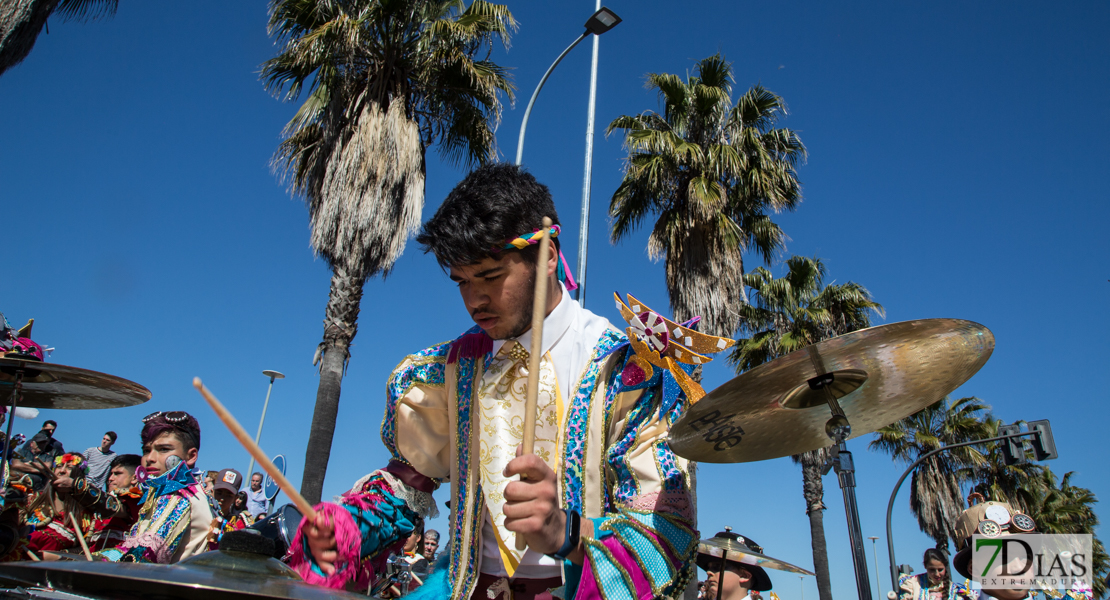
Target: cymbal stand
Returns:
[838, 429]
[17, 393]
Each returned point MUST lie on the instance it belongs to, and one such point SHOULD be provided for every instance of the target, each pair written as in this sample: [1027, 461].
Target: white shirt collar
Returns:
[555, 325]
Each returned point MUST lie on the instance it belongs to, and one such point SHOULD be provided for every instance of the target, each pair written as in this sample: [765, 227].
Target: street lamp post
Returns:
[601, 21]
[258, 436]
[1042, 437]
[875, 552]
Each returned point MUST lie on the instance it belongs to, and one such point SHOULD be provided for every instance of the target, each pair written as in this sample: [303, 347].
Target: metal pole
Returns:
[875, 552]
[584, 227]
[258, 436]
[532, 100]
[846, 473]
[890, 503]
[17, 391]
[721, 574]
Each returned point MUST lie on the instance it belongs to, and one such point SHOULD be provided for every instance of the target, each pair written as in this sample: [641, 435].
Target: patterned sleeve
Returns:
[415, 424]
[371, 521]
[96, 500]
[381, 510]
[908, 587]
[154, 540]
[643, 547]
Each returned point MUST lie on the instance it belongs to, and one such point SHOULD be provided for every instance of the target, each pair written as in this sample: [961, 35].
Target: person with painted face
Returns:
[175, 513]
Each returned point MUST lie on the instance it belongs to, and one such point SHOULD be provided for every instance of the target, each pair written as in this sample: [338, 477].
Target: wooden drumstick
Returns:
[539, 310]
[80, 537]
[263, 460]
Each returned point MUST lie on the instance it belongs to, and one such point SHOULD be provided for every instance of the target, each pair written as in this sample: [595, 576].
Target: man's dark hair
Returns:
[184, 427]
[127, 461]
[50, 422]
[494, 203]
[112, 435]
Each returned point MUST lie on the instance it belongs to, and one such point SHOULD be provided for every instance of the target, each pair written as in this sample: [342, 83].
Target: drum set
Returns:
[816, 397]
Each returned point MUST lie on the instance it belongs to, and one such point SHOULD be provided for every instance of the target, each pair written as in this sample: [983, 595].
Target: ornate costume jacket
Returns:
[614, 467]
[173, 521]
[916, 587]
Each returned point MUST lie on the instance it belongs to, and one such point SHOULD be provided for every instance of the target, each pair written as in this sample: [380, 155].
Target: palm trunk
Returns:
[21, 21]
[340, 327]
[814, 491]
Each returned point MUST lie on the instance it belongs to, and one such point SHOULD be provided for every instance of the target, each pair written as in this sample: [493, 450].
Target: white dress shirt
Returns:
[570, 333]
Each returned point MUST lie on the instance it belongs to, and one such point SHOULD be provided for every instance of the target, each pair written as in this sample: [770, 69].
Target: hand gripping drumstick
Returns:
[539, 310]
[259, 456]
[80, 538]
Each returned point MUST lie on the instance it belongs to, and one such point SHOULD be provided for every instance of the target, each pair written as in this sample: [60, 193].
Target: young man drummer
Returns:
[603, 493]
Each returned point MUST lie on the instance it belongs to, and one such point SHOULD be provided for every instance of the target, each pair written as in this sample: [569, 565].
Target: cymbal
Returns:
[50, 385]
[741, 553]
[880, 375]
[217, 575]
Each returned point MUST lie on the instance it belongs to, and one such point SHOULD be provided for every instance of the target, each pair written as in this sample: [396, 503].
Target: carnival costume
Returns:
[221, 525]
[916, 587]
[117, 511]
[173, 521]
[53, 529]
[450, 415]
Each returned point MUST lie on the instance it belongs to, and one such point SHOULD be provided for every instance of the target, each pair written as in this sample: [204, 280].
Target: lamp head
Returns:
[602, 21]
[273, 374]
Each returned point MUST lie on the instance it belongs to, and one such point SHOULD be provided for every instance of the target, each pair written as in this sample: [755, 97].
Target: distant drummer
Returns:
[740, 577]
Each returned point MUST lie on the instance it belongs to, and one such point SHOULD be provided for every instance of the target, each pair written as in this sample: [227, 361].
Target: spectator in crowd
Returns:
[256, 498]
[241, 502]
[935, 583]
[99, 459]
[225, 491]
[431, 545]
[37, 454]
[49, 426]
[210, 482]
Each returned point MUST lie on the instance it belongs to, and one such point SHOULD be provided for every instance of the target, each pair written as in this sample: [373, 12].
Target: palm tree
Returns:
[1066, 508]
[936, 497]
[709, 171]
[21, 21]
[788, 314]
[386, 79]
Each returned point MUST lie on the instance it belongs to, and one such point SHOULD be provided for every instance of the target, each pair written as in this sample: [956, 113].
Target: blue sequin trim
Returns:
[578, 422]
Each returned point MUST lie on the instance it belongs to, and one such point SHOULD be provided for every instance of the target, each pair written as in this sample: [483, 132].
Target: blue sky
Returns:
[957, 167]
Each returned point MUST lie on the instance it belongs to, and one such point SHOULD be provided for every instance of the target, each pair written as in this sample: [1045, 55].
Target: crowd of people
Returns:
[154, 507]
